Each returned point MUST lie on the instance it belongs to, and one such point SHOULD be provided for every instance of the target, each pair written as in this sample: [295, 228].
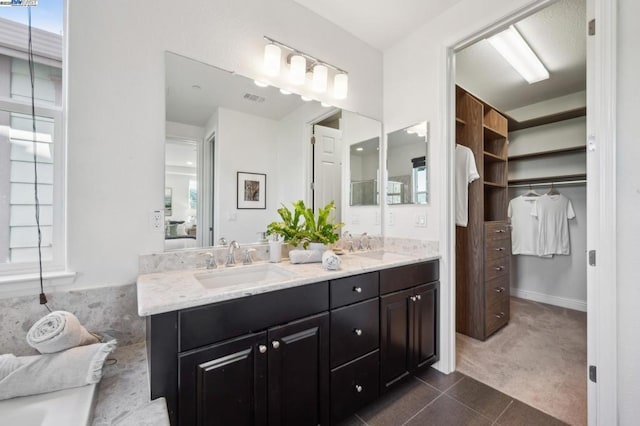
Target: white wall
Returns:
[116, 117]
[244, 143]
[627, 208]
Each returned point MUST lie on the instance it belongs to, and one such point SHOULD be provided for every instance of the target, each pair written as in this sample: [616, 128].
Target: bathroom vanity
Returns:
[313, 350]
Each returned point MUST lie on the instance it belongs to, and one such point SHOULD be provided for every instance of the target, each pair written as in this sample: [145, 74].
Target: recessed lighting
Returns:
[261, 83]
[359, 148]
[515, 50]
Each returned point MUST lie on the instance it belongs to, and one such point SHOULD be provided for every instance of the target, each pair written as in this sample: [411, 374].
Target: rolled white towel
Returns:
[74, 367]
[58, 331]
[305, 256]
[330, 261]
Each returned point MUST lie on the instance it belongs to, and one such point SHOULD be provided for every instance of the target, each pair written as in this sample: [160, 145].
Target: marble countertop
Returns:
[173, 290]
[123, 392]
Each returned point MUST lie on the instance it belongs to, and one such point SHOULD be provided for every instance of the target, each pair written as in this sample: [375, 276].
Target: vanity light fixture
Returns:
[272, 60]
[299, 64]
[515, 50]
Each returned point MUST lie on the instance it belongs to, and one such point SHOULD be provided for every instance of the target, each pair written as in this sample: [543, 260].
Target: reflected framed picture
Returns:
[168, 201]
[252, 190]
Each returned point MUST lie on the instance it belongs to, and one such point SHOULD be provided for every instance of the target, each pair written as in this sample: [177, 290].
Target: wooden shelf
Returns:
[493, 184]
[571, 150]
[493, 134]
[489, 156]
[460, 121]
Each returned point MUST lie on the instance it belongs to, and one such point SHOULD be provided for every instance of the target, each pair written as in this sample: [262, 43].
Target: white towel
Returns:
[330, 261]
[74, 367]
[305, 256]
[58, 331]
[8, 364]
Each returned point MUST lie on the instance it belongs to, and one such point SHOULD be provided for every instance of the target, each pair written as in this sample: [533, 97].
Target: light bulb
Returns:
[272, 60]
[298, 69]
[340, 86]
[319, 83]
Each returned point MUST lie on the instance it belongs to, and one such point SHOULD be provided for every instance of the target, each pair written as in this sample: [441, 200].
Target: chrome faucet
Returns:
[364, 242]
[231, 260]
[211, 261]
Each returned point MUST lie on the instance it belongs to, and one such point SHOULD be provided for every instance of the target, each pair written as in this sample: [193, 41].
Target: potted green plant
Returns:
[302, 227]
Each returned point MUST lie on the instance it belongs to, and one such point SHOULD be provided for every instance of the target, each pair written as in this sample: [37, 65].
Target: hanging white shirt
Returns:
[524, 232]
[466, 172]
[553, 213]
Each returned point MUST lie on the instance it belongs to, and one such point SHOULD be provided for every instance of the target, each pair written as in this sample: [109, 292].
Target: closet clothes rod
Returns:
[559, 183]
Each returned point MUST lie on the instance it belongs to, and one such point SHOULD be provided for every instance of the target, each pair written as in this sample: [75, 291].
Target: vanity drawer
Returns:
[496, 290]
[219, 321]
[403, 277]
[345, 291]
[354, 331]
[497, 315]
[498, 267]
[354, 385]
[497, 230]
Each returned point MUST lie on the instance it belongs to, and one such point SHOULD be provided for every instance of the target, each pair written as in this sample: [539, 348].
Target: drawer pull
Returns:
[500, 315]
[500, 249]
[357, 332]
[500, 231]
[262, 348]
[275, 344]
[499, 268]
[499, 290]
[359, 388]
[357, 289]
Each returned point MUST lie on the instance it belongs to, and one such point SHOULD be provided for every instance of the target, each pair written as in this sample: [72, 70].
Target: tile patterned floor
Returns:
[433, 398]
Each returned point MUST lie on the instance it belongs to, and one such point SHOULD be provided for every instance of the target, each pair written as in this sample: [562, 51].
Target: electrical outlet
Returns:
[421, 221]
[156, 221]
[392, 219]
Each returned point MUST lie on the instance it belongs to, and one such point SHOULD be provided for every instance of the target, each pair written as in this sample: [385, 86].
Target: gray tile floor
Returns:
[433, 398]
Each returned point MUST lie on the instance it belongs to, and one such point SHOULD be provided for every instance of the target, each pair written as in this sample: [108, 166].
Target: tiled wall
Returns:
[110, 310]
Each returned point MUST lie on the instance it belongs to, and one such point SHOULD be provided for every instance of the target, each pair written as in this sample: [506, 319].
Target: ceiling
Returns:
[195, 90]
[557, 34]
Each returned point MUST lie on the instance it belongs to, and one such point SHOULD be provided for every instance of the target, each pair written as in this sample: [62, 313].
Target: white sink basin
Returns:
[256, 275]
[381, 255]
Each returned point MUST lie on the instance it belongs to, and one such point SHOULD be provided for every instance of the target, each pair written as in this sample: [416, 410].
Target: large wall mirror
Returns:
[408, 165]
[224, 132]
[365, 173]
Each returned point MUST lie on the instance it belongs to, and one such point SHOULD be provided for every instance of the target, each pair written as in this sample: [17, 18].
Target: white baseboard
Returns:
[578, 305]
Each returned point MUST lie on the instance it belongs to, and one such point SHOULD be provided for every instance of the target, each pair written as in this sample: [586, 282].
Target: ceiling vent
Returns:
[253, 98]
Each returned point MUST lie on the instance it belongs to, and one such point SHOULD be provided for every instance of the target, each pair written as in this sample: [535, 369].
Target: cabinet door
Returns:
[425, 325]
[396, 310]
[225, 383]
[299, 372]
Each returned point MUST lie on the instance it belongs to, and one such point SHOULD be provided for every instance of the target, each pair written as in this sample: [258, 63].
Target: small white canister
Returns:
[275, 251]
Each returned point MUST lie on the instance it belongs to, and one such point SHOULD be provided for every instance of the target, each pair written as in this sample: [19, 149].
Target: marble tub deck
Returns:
[123, 392]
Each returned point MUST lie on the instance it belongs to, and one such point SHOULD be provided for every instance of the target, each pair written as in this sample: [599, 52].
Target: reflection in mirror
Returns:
[407, 165]
[364, 172]
[241, 127]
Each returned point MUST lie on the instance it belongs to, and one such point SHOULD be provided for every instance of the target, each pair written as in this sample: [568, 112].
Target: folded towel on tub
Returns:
[58, 331]
[72, 368]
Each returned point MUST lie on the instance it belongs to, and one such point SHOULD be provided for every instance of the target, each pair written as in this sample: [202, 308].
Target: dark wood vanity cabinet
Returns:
[408, 321]
[308, 355]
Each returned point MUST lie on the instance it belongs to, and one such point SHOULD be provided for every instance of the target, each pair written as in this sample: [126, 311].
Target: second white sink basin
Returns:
[380, 255]
[255, 274]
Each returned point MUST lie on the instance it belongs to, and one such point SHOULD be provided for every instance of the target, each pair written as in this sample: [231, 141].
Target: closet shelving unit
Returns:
[483, 248]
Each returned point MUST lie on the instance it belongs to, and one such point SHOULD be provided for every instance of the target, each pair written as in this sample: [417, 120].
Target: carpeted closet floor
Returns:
[540, 358]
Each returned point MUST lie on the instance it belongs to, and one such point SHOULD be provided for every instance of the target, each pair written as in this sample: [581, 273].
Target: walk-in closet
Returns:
[521, 213]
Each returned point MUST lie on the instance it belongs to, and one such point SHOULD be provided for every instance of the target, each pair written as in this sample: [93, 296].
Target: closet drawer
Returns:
[494, 249]
[354, 385]
[355, 331]
[498, 267]
[496, 291]
[496, 316]
[497, 230]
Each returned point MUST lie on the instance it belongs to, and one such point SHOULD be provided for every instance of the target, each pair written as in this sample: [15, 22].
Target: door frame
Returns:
[601, 227]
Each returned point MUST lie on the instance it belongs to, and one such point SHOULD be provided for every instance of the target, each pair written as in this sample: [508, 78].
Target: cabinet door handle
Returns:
[500, 231]
[359, 388]
[275, 344]
[418, 297]
[357, 289]
[499, 289]
[500, 249]
[262, 348]
[500, 315]
[413, 298]
[499, 268]
[358, 332]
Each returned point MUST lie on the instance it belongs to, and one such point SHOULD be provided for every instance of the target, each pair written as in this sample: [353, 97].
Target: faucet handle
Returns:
[211, 261]
[222, 241]
[247, 257]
